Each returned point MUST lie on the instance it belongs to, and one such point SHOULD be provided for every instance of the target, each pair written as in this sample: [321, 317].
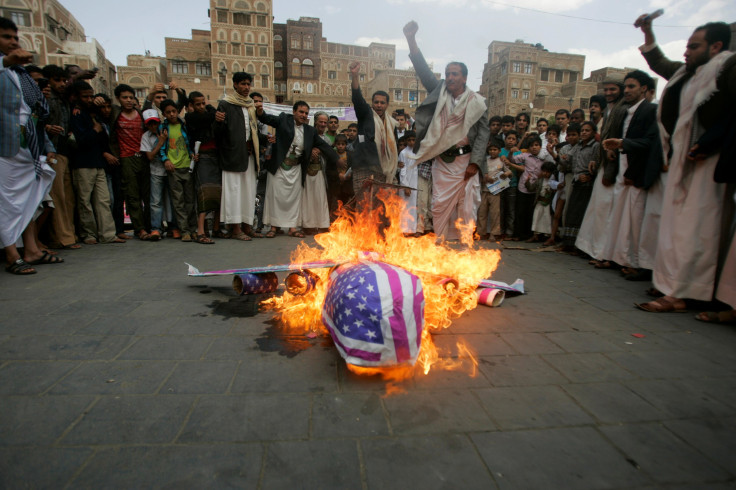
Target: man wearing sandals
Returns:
[694, 207]
[24, 175]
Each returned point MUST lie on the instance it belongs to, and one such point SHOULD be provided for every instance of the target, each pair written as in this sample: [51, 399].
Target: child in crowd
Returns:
[508, 197]
[176, 155]
[585, 158]
[561, 154]
[408, 176]
[529, 164]
[151, 145]
[577, 116]
[345, 192]
[507, 125]
[490, 204]
[545, 189]
[495, 125]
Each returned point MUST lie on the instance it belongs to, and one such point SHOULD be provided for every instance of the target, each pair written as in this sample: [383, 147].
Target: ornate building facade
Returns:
[54, 36]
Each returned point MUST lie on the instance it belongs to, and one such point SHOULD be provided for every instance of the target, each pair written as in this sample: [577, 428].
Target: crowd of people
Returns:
[628, 184]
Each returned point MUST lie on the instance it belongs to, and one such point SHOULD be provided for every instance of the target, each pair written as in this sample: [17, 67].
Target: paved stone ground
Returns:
[119, 371]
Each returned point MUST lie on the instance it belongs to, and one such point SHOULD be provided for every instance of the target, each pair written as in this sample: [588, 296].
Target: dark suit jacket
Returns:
[639, 143]
[284, 125]
[364, 157]
[232, 148]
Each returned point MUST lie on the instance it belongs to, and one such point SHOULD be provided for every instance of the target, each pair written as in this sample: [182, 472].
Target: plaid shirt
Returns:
[425, 170]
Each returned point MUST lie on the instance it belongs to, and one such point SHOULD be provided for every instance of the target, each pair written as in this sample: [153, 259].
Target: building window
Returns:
[263, 52]
[236, 49]
[203, 68]
[141, 93]
[307, 42]
[412, 95]
[558, 76]
[222, 16]
[296, 68]
[344, 49]
[525, 95]
[178, 66]
[545, 75]
[332, 75]
[310, 88]
[516, 67]
[249, 51]
[261, 21]
[397, 94]
[514, 94]
[264, 81]
[573, 76]
[277, 43]
[307, 68]
[528, 68]
[296, 42]
[241, 19]
[362, 77]
[21, 18]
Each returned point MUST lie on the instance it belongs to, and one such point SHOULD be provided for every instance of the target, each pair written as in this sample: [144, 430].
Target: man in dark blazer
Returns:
[638, 170]
[296, 141]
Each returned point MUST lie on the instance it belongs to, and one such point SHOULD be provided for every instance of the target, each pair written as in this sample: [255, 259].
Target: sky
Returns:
[448, 29]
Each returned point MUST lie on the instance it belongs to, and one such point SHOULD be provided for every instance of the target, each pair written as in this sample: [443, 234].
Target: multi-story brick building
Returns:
[290, 61]
[54, 36]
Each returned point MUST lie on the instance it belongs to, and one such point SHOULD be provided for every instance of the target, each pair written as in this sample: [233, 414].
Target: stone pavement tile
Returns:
[63, 347]
[519, 371]
[21, 309]
[490, 344]
[684, 398]
[261, 417]
[115, 378]
[348, 415]
[434, 462]
[44, 324]
[651, 340]
[200, 377]
[109, 308]
[461, 373]
[125, 325]
[613, 403]
[37, 421]
[310, 370]
[250, 326]
[662, 455]
[167, 348]
[587, 368]
[436, 412]
[349, 382]
[40, 467]
[531, 318]
[199, 466]
[672, 364]
[716, 438]
[531, 343]
[532, 407]
[659, 323]
[720, 348]
[569, 458]
[596, 322]
[312, 464]
[722, 389]
[233, 348]
[152, 309]
[582, 342]
[131, 419]
[200, 326]
[32, 378]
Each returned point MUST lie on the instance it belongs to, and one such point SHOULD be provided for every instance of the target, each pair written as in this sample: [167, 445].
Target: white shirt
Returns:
[247, 123]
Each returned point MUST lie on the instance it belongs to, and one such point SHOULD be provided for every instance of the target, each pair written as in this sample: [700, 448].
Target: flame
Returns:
[352, 235]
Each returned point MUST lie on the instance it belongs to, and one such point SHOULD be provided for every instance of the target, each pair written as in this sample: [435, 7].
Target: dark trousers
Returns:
[524, 215]
[118, 200]
[181, 184]
[136, 175]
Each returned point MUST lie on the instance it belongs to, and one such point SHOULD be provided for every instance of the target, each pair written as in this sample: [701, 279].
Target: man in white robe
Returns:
[315, 209]
[691, 224]
[452, 130]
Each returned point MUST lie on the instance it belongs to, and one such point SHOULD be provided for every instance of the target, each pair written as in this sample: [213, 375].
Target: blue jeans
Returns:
[158, 186]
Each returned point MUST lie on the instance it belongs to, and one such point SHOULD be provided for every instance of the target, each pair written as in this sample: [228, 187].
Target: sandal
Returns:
[253, 234]
[124, 236]
[20, 268]
[154, 236]
[296, 234]
[722, 317]
[204, 239]
[663, 305]
[271, 234]
[605, 264]
[186, 237]
[654, 293]
[242, 236]
[143, 235]
[221, 234]
[46, 258]
[90, 241]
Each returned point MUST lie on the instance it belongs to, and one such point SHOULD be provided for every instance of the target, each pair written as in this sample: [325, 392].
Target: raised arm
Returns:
[654, 56]
[362, 109]
[417, 59]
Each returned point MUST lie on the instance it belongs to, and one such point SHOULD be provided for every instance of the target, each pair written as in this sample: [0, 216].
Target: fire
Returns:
[449, 278]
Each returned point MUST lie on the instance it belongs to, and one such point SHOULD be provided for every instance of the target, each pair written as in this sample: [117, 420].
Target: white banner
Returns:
[342, 113]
